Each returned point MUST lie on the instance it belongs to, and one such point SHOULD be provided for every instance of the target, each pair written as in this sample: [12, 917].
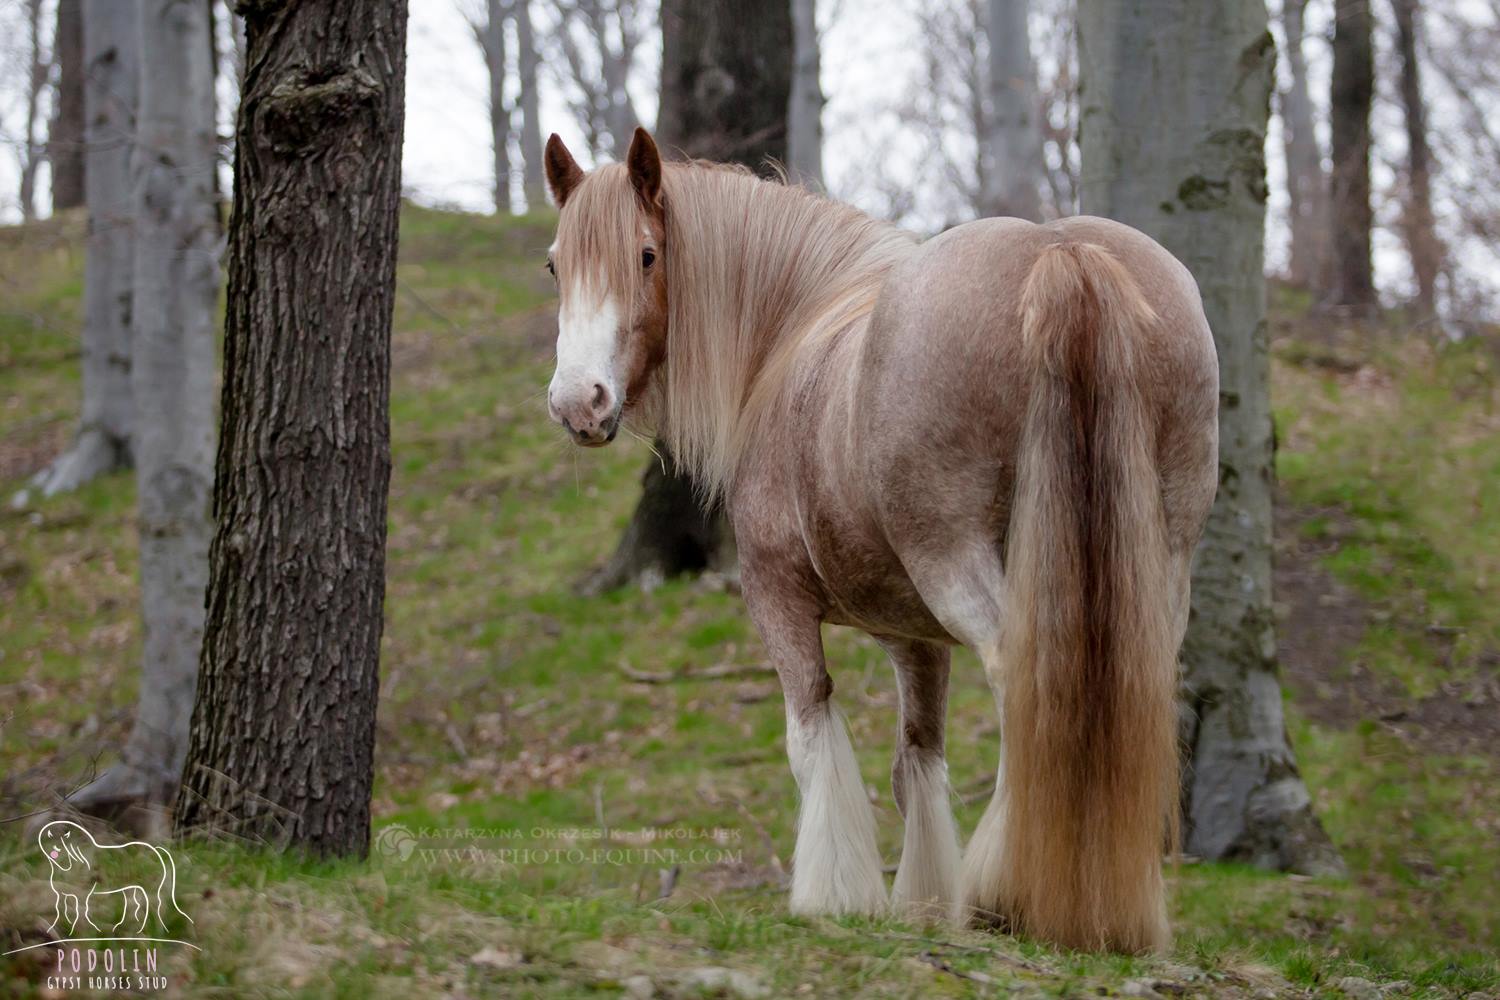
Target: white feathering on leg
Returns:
[927, 881]
[836, 866]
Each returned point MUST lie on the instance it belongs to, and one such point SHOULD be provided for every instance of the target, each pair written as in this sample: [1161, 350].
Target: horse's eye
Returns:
[648, 257]
[551, 268]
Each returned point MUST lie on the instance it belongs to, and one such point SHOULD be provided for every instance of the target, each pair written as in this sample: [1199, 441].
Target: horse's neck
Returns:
[792, 274]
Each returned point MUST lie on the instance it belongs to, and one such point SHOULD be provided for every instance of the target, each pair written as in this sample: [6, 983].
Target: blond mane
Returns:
[758, 275]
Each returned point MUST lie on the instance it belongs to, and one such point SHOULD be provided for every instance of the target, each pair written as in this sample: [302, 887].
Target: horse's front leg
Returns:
[927, 882]
[836, 865]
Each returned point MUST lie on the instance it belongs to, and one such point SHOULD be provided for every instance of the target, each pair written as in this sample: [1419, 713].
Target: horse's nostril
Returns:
[601, 396]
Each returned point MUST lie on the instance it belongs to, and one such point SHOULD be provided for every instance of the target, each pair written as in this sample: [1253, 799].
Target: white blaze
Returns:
[587, 330]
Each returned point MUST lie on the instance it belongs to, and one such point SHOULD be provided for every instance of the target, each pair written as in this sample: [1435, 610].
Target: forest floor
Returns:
[566, 805]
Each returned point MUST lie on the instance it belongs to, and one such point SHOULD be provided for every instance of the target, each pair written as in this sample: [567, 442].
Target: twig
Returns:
[942, 966]
[1019, 963]
[713, 673]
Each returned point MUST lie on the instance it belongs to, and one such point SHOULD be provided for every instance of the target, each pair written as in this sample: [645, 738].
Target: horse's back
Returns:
[944, 381]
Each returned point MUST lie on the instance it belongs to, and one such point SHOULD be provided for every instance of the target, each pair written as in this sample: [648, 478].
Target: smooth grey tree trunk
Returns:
[1418, 225]
[804, 117]
[283, 733]
[111, 61]
[1352, 275]
[65, 134]
[528, 65]
[1175, 97]
[1306, 181]
[1011, 168]
[176, 278]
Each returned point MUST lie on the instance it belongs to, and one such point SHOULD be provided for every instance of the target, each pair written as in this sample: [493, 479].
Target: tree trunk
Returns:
[103, 442]
[1306, 180]
[1175, 96]
[1012, 165]
[805, 111]
[492, 40]
[36, 82]
[726, 79]
[534, 180]
[176, 279]
[1422, 242]
[65, 135]
[1352, 282]
[283, 731]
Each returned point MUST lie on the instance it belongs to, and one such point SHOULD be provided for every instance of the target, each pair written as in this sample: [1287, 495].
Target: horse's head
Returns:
[62, 841]
[608, 260]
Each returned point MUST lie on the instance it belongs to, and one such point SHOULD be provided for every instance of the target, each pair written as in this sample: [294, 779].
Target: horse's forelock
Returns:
[599, 234]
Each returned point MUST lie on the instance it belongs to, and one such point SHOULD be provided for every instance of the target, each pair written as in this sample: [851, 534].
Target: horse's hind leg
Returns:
[836, 865]
[964, 587]
[927, 884]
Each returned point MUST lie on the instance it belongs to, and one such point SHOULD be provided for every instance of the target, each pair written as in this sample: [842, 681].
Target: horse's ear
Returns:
[644, 163]
[563, 172]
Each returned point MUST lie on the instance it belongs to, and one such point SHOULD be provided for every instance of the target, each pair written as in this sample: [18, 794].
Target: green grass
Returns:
[509, 734]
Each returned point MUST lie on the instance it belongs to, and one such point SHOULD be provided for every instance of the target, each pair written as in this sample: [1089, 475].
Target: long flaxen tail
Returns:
[1089, 761]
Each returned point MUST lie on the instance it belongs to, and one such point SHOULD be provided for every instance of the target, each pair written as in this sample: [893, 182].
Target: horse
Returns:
[1003, 437]
[78, 876]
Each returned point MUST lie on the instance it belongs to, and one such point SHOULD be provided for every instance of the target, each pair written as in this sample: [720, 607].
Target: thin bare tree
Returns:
[977, 119]
[1417, 223]
[1012, 168]
[65, 132]
[1306, 179]
[598, 41]
[487, 22]
[106, 426]
[33, 151]
[804, 115]
[1352, 276]
[528, 71]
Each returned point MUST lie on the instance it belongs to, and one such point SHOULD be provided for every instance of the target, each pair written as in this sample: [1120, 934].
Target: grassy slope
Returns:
[506, 706]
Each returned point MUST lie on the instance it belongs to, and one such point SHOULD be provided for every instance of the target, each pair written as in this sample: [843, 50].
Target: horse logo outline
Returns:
[76, 862]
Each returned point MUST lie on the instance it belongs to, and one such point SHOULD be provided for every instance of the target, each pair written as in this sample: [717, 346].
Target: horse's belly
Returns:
[867, 588]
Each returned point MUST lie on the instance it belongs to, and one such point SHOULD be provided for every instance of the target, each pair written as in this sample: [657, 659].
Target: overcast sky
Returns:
[870, 63]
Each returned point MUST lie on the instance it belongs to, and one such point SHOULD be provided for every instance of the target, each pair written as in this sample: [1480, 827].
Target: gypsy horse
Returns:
[1005, 436]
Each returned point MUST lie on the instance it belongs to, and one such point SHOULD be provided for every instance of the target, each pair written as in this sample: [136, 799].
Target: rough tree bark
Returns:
[1352, 277]
[176, 279]
[1306, 181]
[111, 61]
[283, 730]
[1418, 226]
[1174, 107]
[39, 68]
[804, 116]
[65, 134]
[1012, 163]
[726, 77]
[528, 65]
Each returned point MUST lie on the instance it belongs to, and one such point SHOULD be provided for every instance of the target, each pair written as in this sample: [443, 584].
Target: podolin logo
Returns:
[112, 904]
